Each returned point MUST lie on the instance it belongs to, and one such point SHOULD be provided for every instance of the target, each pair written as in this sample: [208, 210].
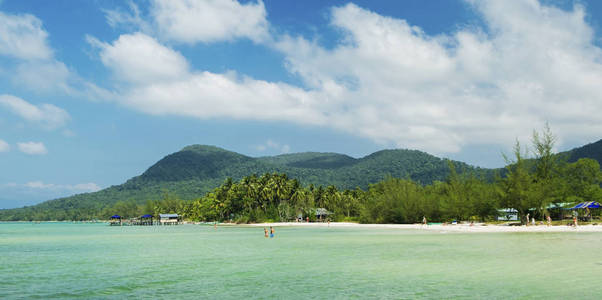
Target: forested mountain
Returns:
[593, 151]
[197, 169]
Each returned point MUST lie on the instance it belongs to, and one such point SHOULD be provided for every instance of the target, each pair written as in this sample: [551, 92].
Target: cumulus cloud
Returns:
[4, 146]
[129, 58]
[389, 81]
[191, 21]
[23, 37]
[31, 63]
[168, 87]
[32, 148]
[47, 115]
[532, 64]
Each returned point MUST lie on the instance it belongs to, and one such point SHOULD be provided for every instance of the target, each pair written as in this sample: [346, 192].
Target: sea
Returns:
[97, 261]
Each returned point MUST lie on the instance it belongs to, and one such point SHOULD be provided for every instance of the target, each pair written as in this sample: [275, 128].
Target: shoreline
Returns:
[476, 228]
[439, 227]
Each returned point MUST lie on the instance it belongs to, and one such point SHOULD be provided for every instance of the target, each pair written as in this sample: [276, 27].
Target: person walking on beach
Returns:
[265, 230]
[271, 232]
[549, 220]
[527, 224]
[575, 221]
[423, 220]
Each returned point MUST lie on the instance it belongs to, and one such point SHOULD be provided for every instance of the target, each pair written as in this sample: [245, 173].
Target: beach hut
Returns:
[507, 214]
[169, 219]
[115, 220]
[586, 206]
[559, 210]
[146, 220]
[322, 214]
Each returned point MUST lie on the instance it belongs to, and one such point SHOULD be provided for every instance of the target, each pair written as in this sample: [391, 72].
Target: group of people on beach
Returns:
[271, 232]
[532, 220]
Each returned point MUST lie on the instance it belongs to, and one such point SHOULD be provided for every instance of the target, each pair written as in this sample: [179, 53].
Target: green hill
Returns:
[593, 151]
[197, 169]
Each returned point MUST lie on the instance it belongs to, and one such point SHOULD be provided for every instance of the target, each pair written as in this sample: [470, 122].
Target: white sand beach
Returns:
[445, 228]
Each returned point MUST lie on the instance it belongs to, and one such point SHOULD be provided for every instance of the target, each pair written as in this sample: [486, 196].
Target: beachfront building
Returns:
[169, 219]
[145, 220]
[115, 220]
[507, 214]
[322, 214]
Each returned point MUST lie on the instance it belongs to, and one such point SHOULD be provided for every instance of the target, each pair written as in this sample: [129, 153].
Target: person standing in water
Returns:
[265, 231]
[271, 232]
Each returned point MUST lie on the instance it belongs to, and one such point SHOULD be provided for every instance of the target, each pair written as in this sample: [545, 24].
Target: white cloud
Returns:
[47, 115]
[272, 145]
[31, 63]
[45, 76]
[191, 21]
[133, 19]
[440, 93]
[168, 87]
[4, 146]
[138, 58]
[38, 186]
[391, 82]
[79, 188]
[32, 148]
[23, 37]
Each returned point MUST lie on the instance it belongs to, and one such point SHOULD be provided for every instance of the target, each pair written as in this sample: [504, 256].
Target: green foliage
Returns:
[197, 170]
[208, 183]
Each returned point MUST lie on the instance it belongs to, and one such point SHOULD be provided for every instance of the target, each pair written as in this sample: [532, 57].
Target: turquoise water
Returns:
[64, 260]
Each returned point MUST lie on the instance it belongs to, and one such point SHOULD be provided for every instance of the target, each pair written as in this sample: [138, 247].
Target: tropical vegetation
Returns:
[457, 191]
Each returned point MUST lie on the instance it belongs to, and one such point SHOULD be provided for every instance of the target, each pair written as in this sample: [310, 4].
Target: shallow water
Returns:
[64, 260]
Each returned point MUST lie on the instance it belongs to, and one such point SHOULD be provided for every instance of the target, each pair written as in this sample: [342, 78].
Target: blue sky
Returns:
[94, 92]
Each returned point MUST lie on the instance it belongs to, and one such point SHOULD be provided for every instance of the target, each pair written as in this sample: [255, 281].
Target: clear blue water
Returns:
[68, 260]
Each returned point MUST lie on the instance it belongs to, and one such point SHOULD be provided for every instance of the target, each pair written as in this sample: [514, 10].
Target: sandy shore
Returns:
[445, 228]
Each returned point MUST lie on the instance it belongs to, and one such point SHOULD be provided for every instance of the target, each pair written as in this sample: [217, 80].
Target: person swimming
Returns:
[271, 231]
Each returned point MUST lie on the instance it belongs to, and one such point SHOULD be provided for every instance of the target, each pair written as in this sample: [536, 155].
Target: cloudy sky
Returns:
[94, 92]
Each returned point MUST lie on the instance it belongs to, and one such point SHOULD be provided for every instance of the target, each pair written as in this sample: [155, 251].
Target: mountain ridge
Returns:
[197, 169]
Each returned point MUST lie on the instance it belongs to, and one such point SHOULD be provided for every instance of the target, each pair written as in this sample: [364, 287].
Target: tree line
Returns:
[530, 186]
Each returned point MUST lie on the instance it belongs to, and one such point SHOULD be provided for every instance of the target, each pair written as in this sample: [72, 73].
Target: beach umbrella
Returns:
[588, 204]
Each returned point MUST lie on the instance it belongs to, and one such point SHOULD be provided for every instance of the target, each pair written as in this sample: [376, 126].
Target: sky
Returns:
[93, 93]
